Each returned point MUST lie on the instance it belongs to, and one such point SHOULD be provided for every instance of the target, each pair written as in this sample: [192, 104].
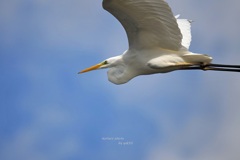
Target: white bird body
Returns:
[158, 41]
[132, 63]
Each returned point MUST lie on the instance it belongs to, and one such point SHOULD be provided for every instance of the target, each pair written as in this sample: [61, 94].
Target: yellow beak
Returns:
[97, 66]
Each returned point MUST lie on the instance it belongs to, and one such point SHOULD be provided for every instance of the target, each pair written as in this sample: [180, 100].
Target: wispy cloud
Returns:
[195, 114]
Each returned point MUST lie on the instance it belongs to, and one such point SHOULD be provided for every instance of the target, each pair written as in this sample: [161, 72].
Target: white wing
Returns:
[148, 23]
[185, 27]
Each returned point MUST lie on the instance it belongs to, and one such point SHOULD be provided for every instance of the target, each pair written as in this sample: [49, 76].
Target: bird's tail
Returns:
[195, 58]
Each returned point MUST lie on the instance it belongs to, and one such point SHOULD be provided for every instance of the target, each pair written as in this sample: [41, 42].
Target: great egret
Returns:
[158, 42]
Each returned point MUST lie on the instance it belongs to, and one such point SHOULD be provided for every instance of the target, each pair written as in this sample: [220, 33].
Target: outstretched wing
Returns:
[148, 23]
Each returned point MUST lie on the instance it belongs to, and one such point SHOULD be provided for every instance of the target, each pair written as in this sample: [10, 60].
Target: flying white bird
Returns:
[158, 42]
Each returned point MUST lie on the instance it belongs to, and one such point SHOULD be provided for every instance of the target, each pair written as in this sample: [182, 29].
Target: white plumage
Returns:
[185, 28]
[158, 41]
[148, 23]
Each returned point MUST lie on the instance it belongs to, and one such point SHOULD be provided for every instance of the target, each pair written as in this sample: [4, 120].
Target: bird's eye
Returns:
[105, 62]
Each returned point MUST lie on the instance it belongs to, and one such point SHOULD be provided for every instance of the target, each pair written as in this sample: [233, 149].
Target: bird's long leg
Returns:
[220, 69]
[213, 67]
[222, 65]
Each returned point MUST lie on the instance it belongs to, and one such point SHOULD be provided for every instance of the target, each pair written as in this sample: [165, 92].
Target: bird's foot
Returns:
[203, 67]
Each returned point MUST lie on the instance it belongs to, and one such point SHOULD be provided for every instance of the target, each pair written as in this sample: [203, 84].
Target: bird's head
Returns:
[118, 72]
[108, 63]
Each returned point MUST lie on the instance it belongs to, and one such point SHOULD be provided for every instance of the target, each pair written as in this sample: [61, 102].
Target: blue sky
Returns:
[49, 112]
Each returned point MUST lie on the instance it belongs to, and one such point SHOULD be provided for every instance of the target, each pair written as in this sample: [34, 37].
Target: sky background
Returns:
[49, 112]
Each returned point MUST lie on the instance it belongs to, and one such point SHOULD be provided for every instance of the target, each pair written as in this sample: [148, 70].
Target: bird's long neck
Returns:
[117, 60]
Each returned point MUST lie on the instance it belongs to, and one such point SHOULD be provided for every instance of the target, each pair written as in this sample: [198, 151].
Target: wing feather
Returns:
[148, 23]
[185, 27]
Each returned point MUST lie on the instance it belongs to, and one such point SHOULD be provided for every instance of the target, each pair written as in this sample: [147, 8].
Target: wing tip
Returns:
[177, 16]
[106, 3]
